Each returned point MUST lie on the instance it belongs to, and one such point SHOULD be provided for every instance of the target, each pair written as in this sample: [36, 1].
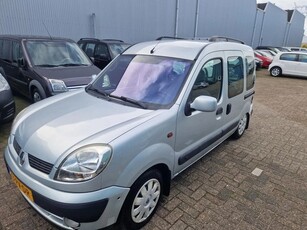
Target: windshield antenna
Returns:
[153, 49]
[47, 30]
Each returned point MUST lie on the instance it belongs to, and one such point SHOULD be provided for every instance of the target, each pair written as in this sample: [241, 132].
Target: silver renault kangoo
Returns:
[106, 154]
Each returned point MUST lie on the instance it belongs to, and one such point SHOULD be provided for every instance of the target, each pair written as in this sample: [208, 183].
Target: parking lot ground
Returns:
[223, 190]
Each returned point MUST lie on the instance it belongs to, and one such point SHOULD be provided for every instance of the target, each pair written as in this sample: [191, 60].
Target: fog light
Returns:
[71, 223]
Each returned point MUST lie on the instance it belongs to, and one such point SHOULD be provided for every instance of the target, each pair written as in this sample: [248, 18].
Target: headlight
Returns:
[84, 163]
[3, 83]
[58, 86]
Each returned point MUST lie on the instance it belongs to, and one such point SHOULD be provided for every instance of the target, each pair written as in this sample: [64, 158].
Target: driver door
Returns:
[198, 131]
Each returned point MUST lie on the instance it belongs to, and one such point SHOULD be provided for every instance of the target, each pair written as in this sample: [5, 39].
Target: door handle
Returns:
[219, 111]
[228, 109]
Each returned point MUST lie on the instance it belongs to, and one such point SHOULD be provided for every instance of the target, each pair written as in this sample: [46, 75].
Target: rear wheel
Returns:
[241, 127]
[275, 71]
[142, 200]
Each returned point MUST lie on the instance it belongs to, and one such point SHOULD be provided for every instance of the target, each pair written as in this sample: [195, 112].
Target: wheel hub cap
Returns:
[146, 200]
[242, 124]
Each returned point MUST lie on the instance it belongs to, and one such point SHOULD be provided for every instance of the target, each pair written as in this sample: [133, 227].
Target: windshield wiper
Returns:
[130, 100]
[46, 65]
[96, 91]
[72, 64]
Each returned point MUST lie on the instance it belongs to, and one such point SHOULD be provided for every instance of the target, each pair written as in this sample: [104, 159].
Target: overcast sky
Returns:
[285, 4]
[288, 5]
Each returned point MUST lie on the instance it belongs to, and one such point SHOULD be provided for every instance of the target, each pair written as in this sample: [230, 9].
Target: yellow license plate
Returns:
[24, 189]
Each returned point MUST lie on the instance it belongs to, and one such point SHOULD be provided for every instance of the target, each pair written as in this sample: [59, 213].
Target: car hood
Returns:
[61, 123]
[71, 75]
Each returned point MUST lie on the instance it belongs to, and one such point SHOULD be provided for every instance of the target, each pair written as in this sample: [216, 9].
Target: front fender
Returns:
[156, 154]
[35, 83]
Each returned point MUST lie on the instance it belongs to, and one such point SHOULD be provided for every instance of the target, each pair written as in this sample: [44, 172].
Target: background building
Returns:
[140, 20]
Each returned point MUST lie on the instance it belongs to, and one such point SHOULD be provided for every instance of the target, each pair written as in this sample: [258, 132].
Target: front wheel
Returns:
[37, 95]
[241, 127]
[275, 71]
[142, 200]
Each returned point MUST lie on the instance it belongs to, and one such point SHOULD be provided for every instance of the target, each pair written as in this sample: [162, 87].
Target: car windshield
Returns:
[56, 53]
[117, 48]
[151, 81]
[264, 54]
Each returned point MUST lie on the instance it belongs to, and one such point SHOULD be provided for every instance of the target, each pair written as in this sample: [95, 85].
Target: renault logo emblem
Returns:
[21, 158]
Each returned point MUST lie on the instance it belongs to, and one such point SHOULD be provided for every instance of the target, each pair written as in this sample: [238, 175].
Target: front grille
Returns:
[39, 164]
[8, 111]
[16, 146]
[34, 162]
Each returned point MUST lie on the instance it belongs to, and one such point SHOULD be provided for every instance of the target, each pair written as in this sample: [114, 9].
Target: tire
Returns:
[241, 127]
[142, 200]
[36, 95]
[275, 71]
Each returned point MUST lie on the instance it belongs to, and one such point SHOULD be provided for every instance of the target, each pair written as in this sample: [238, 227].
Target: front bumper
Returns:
[90, 210]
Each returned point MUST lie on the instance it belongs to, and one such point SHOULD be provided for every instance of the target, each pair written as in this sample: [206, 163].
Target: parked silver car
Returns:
[105, 154]
[7, 103]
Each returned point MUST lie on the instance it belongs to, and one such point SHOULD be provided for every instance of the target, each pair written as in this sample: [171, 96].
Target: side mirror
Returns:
[20, 62]
[203, 104]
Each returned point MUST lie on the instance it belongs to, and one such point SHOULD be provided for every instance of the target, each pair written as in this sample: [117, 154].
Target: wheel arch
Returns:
[159, 156]
[248, 119]
[166, 175]
[276, 66]
[35, 84]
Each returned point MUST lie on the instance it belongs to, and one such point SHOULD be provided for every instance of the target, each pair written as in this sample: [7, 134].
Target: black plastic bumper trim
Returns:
[249, 94]
[207, 143]
[81, 213]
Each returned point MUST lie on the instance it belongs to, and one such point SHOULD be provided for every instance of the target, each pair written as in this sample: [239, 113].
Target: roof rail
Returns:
[169, 37]
[110, 39]
[96, 39]
[224, 39]
[105, 39]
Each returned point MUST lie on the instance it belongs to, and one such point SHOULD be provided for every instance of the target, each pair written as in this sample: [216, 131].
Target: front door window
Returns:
[209, 80]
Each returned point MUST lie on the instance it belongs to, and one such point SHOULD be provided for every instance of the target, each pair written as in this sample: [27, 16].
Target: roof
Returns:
[291, 52]
[33, 37]
[107, 40]
[184, 49]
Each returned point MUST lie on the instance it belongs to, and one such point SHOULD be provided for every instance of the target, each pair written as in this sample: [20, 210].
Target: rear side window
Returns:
[288, 57]
[235, 76]
[16, 54]
[303, 58]
[250, 69]
[5, 50]
[89, 49]
[80, 44]
[101, 50]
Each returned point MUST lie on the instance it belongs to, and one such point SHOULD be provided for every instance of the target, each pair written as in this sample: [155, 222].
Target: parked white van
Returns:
[107, 153]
